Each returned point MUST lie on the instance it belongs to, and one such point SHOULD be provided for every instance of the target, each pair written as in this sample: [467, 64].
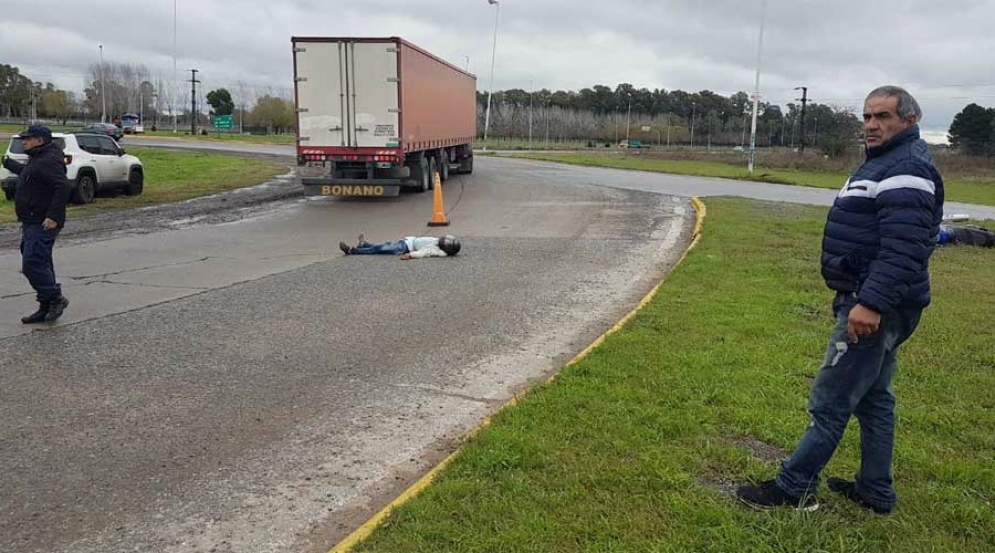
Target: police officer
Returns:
[40, 203]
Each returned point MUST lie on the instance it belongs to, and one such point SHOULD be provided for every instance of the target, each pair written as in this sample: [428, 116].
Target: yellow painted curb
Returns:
[369, 526]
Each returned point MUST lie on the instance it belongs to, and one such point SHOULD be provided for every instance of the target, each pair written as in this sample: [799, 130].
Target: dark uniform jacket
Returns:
[42, 188]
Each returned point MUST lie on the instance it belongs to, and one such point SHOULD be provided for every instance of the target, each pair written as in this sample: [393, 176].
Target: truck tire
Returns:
[466, 167]
[424, 175]
[444, 166]
[433, 169]
[86, 189]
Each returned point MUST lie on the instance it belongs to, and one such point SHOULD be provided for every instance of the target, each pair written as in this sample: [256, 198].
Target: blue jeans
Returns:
[36, 261]
[855, 379]
[383, 248]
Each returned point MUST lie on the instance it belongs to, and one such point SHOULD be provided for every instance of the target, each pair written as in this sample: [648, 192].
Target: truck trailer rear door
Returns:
[348, 94]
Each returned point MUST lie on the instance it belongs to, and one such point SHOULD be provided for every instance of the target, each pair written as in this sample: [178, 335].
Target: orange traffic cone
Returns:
[439, 211]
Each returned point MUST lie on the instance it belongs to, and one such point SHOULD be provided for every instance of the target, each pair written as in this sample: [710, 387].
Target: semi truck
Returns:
[375, 115]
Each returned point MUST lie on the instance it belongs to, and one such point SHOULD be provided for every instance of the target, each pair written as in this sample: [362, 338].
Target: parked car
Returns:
[94, 163]
[110, 130]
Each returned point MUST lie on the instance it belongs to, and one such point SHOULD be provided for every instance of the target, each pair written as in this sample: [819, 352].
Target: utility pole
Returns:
[804, 100]
[668, 130]
[692, 124]
[628, 119]
[103, 88]
[193, 102]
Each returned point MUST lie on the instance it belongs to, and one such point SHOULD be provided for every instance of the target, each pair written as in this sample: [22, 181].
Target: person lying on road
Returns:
[411, 247]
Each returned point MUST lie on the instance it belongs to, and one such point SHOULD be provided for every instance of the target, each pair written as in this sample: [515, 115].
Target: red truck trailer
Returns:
[378, 114]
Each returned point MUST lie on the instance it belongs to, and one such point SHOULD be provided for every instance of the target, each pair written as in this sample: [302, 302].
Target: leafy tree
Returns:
[221, 101]
[15, 92]
[59, 104]
[972, 129]
[273, 112]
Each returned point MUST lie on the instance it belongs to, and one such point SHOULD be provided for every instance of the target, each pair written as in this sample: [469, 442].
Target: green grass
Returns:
[628, 450]
[172, 176]
[977, 190]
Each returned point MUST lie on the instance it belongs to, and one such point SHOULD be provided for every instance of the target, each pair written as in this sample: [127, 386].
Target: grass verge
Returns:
[636, 447]
[976, 190]
[172, 176]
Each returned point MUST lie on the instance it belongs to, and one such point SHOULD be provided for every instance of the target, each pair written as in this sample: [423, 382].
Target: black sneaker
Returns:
[56, 309]
[344, 247]
[848, 489]
[768, 495]
[37, 316]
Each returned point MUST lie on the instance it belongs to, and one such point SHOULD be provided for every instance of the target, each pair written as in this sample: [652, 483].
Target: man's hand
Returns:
[862, 322]
[406, 257]
[49, 224]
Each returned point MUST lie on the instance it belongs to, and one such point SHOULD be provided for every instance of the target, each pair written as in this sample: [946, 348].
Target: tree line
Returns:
[605, 114]
[112, 89]
[973, 131]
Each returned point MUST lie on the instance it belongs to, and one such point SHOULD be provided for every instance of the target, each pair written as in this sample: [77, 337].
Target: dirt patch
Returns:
[760, 449]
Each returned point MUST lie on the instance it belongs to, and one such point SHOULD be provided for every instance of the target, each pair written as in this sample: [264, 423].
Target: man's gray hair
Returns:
[907, 105]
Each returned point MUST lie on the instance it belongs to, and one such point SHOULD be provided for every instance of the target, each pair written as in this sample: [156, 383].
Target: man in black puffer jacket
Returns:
[875, 254]
[40, 203]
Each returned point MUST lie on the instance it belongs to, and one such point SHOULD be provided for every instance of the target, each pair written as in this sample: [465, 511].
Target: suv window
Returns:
[107, 146]
[88, 143]
[17, 148]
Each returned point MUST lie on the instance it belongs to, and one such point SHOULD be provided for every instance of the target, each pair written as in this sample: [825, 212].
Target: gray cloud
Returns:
[840, 50]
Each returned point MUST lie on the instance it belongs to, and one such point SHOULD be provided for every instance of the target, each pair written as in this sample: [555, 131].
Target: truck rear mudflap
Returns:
[325, 186]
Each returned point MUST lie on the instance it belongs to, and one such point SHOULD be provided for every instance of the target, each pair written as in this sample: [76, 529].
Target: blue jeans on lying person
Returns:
[399, 247]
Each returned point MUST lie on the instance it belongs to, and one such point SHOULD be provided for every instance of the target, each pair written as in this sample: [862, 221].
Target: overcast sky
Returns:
[840, 49]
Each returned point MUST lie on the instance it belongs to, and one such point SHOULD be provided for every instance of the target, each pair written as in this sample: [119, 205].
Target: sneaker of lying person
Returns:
[344, 247]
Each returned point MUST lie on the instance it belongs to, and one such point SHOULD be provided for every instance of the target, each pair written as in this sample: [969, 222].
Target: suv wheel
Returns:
[136, 183]
[9, 194]
[86, 189]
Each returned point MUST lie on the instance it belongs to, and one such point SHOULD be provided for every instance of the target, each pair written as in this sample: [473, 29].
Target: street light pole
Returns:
[532, 92]
[668, 129]
[756, 88]
[490, 92]
[103, 88]
[692, 124]
[628, 119]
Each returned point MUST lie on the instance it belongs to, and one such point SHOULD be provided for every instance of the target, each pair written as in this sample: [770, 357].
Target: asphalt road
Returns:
[242, 386]
[226, 380]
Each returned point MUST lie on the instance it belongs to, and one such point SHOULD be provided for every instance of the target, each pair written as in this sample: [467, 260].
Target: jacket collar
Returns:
[42, 150]
[904, 137]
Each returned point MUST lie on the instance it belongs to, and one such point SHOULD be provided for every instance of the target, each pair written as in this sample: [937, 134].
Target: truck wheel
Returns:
[467, 166]
[136, 183]
[425, 174]
[444, 166]
[86, 189]
[433, 169]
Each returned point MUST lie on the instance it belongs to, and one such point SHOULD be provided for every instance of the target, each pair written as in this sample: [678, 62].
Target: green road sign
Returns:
[223, 122]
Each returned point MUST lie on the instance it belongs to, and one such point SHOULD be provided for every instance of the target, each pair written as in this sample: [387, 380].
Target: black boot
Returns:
[56, 309]
[37, 316]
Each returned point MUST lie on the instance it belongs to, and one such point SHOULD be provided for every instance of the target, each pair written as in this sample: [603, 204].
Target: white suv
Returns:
[93, 163]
